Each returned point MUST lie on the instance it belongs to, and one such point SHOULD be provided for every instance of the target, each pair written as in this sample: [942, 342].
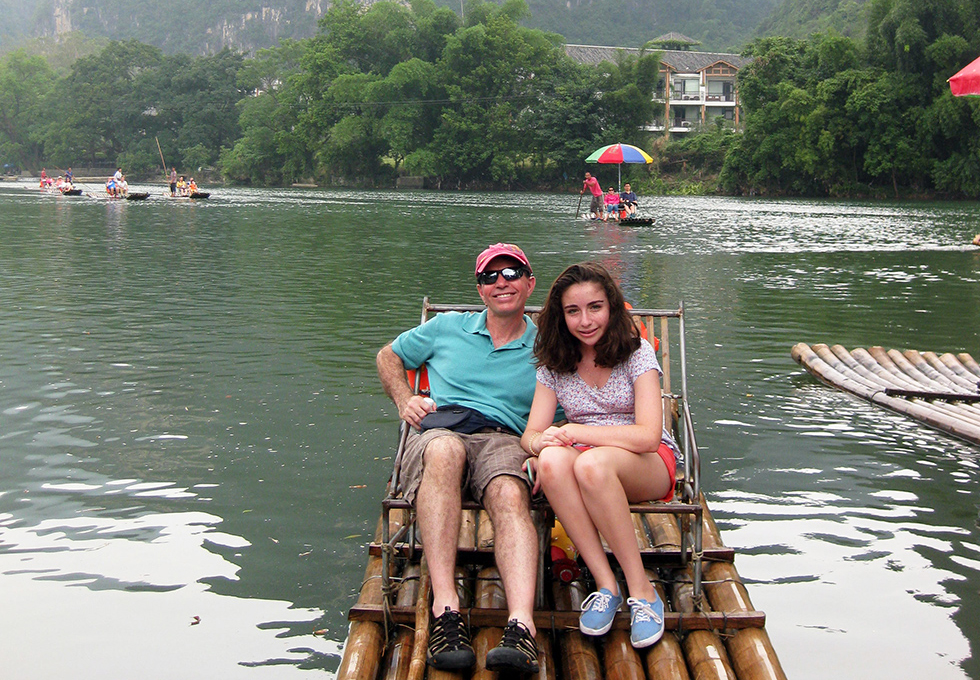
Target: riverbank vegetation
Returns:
[388, 89]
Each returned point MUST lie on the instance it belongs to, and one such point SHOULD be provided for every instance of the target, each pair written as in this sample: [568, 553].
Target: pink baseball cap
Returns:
[498, 249]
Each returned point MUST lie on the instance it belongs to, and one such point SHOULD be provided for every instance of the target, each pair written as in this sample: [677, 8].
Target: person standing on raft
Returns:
[596, 207]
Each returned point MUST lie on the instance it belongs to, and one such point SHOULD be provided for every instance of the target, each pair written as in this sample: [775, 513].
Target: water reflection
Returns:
[191, 425]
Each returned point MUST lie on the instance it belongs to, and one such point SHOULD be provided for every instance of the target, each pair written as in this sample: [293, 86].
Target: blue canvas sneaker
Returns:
[598, 612]
[646, 621]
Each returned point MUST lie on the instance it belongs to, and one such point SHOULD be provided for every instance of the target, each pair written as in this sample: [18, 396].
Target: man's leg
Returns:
[438, 505]
[515, 544]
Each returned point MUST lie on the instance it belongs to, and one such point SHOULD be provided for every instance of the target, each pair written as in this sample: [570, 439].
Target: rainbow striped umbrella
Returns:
[966, 83]
[619, 154]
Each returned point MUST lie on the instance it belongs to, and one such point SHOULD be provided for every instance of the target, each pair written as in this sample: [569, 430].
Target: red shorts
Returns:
[666, 455]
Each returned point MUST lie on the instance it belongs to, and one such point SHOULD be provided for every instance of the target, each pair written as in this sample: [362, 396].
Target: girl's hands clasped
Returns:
[555, 436]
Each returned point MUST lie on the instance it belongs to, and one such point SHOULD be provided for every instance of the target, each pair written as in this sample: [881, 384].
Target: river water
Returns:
[193, 441]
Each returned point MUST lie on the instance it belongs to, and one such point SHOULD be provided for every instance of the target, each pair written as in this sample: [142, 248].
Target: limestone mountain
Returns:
[195, 27]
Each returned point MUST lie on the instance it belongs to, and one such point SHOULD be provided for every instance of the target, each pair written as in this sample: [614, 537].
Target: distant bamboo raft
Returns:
[942, 392]
[723, 638]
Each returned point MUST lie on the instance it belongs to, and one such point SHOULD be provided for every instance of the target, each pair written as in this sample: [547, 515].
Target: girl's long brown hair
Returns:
[557, 349]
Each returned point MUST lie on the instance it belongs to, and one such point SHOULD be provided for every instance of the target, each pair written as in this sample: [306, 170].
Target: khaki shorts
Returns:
[489, 454]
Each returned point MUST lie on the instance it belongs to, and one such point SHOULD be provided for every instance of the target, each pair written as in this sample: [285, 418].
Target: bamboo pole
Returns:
[939, 416]
[928, 364]
[546, 658]
[953, 370]
[399, 656]
[664, 530]
[969, 363]
[489, 595]
[620, 660]
[365, 639]
[161, 159]
[416, 668]
[665, 660]
[706, 656]
[710, 535]
[750, 650]
[579, 659]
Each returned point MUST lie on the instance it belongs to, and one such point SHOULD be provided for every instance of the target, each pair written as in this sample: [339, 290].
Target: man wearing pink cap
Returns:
[481, 376]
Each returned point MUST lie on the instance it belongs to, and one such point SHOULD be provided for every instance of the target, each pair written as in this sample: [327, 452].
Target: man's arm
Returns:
[391, 370]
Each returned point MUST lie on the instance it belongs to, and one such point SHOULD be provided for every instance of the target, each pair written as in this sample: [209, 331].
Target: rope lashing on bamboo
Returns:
[387, 592]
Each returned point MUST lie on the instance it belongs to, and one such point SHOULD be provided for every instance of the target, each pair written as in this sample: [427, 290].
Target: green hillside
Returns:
[720, 25]
[800, 18]
[15, 22]
[192, 27]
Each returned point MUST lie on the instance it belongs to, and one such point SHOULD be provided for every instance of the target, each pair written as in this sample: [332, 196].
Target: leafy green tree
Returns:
[767, 156]
[406, 107]
[25, 83]
[352, 147]
[97, 109]
[901, 34]
[272, 150]
[491, 71]
[566, 124]
[887, 117]
[196, 104]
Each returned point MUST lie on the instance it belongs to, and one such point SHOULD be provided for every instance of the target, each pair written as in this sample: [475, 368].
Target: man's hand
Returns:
[415, 409]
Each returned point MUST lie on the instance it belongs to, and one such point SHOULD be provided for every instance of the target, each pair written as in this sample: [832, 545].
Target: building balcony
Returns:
[707, 100]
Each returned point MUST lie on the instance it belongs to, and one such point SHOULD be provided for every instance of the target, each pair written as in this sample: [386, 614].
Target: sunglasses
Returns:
[485, 278]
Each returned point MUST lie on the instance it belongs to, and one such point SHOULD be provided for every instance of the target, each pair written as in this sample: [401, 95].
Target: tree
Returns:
[273, 148]
[491, 71]
[25, 83]
[97, 109]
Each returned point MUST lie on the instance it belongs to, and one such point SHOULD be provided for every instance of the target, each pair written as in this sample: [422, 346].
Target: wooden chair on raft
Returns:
[679, 547]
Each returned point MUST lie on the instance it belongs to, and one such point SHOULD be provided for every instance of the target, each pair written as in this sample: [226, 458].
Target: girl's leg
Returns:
[555, 470]
[607, 479]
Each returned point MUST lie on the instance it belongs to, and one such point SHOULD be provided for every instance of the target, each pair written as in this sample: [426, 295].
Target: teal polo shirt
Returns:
[465, 368]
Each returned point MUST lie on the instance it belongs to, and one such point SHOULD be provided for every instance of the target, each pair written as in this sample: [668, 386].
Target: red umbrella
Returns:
[966, 83]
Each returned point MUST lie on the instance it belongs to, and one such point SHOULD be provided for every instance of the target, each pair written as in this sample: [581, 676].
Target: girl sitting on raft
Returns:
[613, 451]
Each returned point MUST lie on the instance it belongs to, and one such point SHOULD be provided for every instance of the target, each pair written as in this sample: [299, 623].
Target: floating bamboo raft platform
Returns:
[713, 632]
[942, 392]
[722, 637]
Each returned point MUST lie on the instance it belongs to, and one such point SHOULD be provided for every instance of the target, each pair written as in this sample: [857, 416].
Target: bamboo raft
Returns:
[712, 629]
[942, 392]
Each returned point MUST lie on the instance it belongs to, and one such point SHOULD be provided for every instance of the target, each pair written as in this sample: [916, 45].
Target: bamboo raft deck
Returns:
[942, 392]
[723, 637]
[712, 630]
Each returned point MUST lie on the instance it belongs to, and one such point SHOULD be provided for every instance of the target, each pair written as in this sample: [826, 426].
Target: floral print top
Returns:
[611, 404]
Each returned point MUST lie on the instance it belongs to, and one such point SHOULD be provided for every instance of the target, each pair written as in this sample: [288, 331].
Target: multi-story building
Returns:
[695, 87]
